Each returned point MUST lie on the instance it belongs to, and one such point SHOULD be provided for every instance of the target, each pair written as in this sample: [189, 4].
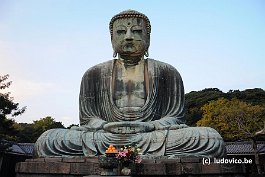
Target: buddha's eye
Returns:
[121, 31]
[137, 31]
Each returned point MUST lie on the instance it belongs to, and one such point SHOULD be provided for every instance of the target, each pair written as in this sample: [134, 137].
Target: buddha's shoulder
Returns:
[101, 67]
[161, 65]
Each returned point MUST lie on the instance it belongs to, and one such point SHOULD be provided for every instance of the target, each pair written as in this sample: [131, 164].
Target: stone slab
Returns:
[151, 169]
[190, 160]
[92, 159]
[73, 159]
[148, 161]
[43, 167]
[35, 160]
[177, 160]
[228, 168]
[212, 168]
[53, 159]
[85, 168]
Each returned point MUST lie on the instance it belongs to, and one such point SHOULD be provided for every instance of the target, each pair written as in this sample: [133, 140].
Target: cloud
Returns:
[26, 89]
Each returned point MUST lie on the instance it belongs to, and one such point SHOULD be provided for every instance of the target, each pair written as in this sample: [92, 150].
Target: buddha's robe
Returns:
[163, 107]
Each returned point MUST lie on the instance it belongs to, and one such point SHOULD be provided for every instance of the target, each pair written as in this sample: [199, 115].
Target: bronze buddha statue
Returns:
[131, 100]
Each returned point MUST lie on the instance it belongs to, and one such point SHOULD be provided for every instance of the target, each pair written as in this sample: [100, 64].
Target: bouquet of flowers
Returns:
[129, 154]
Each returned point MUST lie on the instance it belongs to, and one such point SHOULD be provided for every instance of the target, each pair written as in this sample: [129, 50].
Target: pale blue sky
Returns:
[47, 45]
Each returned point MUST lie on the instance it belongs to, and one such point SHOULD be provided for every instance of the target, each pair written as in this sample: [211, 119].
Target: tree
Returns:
[26, 132]
[196, 99]
[7, 108]
[30, 132]
[254, 96]
[235, 120]
[44, 124]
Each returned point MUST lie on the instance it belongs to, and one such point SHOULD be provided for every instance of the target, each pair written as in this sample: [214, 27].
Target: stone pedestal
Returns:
[83, 166]
[58, 167]
[188, 167]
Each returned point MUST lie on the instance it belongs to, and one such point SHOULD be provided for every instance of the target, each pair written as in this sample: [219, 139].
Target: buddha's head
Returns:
[130, 34]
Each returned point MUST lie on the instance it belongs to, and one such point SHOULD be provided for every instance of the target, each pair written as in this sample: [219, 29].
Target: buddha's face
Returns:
[130, 37]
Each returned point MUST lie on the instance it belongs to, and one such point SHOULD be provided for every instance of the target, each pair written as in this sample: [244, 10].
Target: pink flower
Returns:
[121, 154]
[125, 151]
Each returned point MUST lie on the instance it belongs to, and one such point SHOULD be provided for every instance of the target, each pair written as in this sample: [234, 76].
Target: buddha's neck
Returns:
[130, 60]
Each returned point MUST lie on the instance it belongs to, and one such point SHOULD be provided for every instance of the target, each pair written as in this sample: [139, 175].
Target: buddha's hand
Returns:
[178, 126]
[128, 127]
[170, 127]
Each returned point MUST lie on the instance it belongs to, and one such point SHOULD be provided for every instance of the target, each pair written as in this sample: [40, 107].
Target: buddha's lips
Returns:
[127, 45]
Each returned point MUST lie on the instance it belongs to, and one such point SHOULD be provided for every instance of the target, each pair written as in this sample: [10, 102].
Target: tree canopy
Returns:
[31, 132]
[196, 99]
[8, 110]
[233, 119]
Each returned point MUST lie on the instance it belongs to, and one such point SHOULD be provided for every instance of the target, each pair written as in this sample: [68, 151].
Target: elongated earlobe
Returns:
[114, 54]
[146, 53]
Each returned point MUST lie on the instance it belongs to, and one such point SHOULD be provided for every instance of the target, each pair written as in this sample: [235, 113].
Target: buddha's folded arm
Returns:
[168, 123]
[94, 124]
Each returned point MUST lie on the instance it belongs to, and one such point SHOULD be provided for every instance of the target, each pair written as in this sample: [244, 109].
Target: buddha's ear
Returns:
[114, 54]
[146, 53]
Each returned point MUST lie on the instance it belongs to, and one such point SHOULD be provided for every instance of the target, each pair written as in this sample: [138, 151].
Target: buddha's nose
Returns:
[128, 36]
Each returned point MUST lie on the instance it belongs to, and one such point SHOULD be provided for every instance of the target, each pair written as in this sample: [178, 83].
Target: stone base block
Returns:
[84, 166]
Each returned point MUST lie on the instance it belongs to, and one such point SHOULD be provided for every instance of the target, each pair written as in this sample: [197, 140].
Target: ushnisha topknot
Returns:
[127, 14]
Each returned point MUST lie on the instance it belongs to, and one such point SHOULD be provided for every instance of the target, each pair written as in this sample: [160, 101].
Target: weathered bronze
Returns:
[132, 100]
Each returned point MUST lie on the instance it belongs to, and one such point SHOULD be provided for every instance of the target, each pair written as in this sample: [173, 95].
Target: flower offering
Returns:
[129, 154]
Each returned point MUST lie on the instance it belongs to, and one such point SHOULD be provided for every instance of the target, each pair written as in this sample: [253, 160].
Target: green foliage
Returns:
[26, 133]
[7, 129]
[196, 99]
[4, 146]
[44, 124]
[29, 133]
[8, 108]
[233, 119]
[254, 96]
